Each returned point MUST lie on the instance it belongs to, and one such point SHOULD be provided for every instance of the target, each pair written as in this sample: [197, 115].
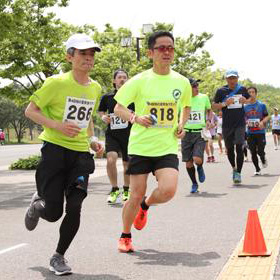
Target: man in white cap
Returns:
[231, 99]
[64, 105]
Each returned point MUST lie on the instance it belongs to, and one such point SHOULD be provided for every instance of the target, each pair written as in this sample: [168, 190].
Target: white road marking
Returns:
[13, 248]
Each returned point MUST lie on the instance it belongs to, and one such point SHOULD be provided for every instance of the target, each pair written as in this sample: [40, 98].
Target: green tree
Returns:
[31, 43]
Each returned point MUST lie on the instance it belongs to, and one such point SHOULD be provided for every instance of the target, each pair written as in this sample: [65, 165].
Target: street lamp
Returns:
[146, 28]
[127, 41]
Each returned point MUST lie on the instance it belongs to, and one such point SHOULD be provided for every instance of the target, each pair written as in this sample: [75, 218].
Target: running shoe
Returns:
[125, 245]
[194, 188]
[264, 164]
[209, 159]
[141, 219]
[236, 177]
[201, 174]
[58, 265]
[32, 215]
[212, 159]
[257, 173]
[126, 195]
[113, 196]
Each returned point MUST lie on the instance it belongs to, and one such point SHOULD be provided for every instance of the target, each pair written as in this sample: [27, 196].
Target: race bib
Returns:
[78, 110]
[236, 103]
[165, 112]
[117, 123]
[276, 122]
[196, 117]
[253, 123]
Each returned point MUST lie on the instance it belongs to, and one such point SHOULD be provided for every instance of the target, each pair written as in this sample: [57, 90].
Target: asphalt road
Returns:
[11, 153]
[191, 237]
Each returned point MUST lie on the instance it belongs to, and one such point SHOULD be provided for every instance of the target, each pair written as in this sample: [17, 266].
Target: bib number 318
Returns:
[164, 112]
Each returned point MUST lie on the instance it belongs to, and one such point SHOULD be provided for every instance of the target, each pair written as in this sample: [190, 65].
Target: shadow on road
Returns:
[47, 275]
[269, 175]
[207, 195]
[153, 257]
[243, 186]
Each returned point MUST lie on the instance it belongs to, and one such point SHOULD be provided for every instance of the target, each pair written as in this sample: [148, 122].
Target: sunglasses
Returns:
[163, 49]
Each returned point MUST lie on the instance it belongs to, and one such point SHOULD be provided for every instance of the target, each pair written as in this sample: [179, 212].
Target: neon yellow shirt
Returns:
[161, 95]
[200, 103]
[61, 98]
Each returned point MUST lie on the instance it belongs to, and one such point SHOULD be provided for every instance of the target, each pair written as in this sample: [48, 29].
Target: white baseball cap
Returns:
[81, 42]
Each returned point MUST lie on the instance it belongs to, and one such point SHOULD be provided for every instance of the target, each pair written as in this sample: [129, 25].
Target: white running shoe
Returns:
[257, 173]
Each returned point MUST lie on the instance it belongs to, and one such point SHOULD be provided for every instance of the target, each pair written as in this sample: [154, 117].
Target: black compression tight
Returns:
[71, 221]
[239, 156]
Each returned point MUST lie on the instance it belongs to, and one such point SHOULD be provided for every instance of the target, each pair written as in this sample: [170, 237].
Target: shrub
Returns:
[27, 163]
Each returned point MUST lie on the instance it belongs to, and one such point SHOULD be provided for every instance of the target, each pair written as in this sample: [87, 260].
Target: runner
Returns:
[220, 131]
[275, 124]
[212, 122]
[64, 106]
[230, 99]
[158, 94]
[116, 138]
[193, 144]
[256, 117]
[2, 137]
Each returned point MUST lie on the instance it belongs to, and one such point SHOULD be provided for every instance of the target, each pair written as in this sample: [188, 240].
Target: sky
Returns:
[246, 32]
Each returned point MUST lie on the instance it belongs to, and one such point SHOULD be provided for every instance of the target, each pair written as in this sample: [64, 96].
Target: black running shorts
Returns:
[144, 165]
[276, 131]
[234, 136]
[60, 170]
[114, 144]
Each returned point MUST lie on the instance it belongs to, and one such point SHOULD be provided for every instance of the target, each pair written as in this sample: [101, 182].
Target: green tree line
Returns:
[32, 49]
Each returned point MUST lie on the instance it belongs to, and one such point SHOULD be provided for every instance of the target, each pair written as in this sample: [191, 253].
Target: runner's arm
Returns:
[94, 144]
[184, 116]
[127, 115]
[34, 113]
[104, 117]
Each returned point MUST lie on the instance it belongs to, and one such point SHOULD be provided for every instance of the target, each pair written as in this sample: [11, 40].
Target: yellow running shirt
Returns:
[200, 103]
[61, 98]
[163, 96]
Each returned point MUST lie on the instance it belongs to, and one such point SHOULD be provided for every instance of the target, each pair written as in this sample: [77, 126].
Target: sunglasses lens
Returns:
[164, 49]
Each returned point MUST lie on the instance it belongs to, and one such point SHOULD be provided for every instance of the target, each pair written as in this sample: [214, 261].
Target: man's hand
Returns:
[242, 100]
[180, 132]
[68, 128]
[98, 148]
[261, 125]
[106, 119]
[143, 120]
[229, 101]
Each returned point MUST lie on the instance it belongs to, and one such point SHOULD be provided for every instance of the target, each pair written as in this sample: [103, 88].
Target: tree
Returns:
[190, 57]
[31, 43]
[12, 116]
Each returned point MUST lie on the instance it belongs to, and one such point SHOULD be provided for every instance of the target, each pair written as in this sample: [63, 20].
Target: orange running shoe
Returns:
[141, 219]
[125, 245]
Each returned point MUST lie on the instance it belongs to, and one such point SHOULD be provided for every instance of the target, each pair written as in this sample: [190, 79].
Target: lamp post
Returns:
[127, 42]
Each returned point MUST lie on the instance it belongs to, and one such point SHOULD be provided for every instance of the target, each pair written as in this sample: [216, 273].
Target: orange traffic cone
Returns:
[254, 244]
